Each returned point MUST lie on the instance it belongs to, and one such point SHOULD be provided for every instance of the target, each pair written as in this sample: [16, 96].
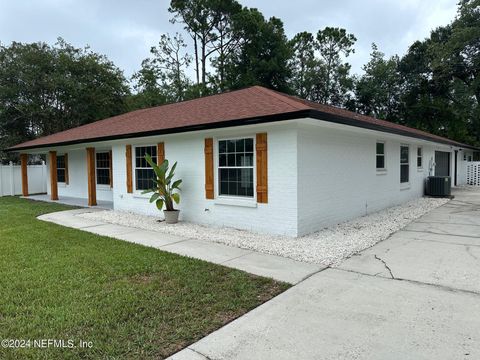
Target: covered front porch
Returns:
[78, 176]
[72, 201]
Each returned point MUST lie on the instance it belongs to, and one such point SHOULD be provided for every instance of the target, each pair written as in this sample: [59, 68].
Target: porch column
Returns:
[92, 186]
[23, 161]
[53, 175]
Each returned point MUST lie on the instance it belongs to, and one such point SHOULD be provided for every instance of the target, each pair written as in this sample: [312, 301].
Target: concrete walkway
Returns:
[272, 266]
[415, 295]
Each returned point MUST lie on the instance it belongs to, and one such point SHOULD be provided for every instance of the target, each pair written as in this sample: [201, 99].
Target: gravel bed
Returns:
[327, 247]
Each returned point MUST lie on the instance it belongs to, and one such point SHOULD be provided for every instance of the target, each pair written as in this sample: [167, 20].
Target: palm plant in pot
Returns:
[165, 192]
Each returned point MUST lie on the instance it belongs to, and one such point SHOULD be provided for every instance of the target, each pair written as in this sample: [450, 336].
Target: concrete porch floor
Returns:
[72, 201]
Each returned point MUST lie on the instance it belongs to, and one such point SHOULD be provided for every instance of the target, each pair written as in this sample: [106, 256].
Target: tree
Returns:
[304, 64]
[46, 89]
[378, 90]
[162, 77]
[334, 81]
[263, 55]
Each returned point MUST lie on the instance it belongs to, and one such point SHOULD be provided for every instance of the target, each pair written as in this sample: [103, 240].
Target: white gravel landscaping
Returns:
[327, 247]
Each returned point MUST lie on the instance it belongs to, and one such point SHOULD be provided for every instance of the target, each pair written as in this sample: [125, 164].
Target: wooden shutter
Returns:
[209, 189]
[128, 156]
[66, 168]
[160, 153]
[111, 168]
[53, 175]
[262, 168]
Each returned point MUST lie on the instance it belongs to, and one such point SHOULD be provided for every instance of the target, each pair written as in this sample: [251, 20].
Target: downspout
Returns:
[456, 164]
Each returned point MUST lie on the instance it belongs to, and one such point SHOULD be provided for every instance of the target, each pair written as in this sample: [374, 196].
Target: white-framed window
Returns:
[61, 169]
[419, 157]
[404, 164]
[144, 174]
[380, 156]
[236, 166]
[102, 160]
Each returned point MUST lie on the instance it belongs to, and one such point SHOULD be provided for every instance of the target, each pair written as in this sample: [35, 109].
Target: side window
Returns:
[144, 174]
[380, 156]
[235, 167]
[419, 157]
[103, 168]
[61, 168]
[404, 164]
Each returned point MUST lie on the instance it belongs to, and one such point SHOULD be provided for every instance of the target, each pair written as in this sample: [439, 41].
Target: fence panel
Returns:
[473, 173]
[11, 179]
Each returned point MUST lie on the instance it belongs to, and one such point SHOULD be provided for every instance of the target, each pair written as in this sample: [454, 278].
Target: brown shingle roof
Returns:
[246, 106]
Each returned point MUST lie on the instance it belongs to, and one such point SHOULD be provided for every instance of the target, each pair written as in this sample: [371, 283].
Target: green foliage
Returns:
[46, 89]
[166, 190]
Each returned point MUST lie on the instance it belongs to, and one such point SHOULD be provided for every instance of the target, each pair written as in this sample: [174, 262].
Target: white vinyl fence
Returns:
[473, 173]
[11, 179]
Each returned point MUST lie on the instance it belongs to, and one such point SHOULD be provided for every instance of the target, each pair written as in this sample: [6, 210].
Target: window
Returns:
[404, 164]
[144, 174]
[61, 172]
[380, 156]
[419, 157]
[103, 168]
[235, 167]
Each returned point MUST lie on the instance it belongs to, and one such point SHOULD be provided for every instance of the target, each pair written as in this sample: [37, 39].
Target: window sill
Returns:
[381, 171]
[104, 187]
[420, 169]
[61, 184]
[142, 196]
[236, 202]
[405, 186]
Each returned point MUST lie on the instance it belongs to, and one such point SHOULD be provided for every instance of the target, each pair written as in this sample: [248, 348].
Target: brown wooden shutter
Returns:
[209, 189]
[128, 156]
[262, 168]
[53, 175]
[66, 169]
[160, 153]
[111, 168]
[24, 167]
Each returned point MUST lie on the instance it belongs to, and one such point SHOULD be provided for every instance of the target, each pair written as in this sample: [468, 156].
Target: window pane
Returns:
[144, 179]
[231, 160]
[103, 176]
[61, 175]
[240, 146]
[380, 148]
[404, 173]
[61, 162]
[248, 145]
[419, 151]
[230, 146]
[223, 160]
[404, 154]
[222, 146]
[380, 162]
[419, 162]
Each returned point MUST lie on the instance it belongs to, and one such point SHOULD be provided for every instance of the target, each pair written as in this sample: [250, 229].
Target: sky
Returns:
[125, 30]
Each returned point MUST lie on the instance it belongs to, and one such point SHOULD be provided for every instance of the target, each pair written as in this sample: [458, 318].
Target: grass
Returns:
[130, 301]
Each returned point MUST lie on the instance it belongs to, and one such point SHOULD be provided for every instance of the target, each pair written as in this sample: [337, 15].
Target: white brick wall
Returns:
[338, 178]
[278, 216]
[319, 174]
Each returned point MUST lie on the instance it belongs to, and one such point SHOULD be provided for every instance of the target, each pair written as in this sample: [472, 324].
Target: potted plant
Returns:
[166, 190]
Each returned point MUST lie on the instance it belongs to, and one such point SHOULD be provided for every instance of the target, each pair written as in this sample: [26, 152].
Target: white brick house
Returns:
[313, 166]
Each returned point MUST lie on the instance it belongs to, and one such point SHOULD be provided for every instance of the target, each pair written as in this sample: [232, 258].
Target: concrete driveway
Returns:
[415, 295]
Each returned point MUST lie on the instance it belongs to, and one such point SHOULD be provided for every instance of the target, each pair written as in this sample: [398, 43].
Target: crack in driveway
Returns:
[386, 266]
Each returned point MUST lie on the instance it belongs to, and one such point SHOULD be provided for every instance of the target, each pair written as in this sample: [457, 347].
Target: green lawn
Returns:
[130, 301]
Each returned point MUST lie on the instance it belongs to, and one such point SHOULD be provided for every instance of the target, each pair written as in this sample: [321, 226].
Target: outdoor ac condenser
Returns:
[439, 186]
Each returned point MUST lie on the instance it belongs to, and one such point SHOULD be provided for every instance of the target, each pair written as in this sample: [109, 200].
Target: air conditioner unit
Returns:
[439, 186]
